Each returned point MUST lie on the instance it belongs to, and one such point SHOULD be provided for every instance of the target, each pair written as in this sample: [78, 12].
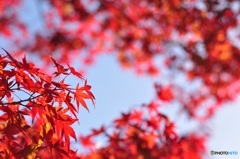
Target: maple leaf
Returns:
[60, 68]
[165, 93]
[86, 141]
[74, 72]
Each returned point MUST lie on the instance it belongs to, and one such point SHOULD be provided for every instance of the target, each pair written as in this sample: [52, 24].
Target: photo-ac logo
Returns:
[224, 152]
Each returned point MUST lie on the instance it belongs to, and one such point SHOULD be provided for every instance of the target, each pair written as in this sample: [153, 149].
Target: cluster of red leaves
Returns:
[143, 133]
[39, 125]
[137, 32]
[11, 25]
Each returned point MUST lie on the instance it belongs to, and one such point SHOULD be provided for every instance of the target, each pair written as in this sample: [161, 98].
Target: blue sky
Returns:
[115, 90]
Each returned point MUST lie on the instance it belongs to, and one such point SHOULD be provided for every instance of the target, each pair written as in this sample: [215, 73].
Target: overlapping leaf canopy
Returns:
[37, 111]
[198, 39]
